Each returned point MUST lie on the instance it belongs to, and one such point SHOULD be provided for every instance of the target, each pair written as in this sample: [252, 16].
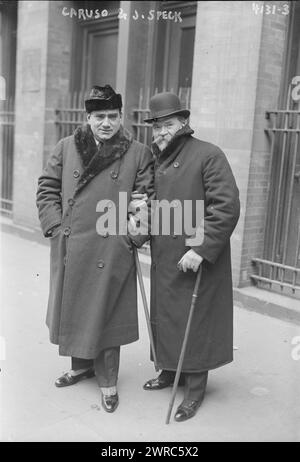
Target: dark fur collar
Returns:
[96, 158]
[174, 146]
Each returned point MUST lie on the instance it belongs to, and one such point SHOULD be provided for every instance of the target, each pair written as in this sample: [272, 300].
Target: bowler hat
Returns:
[165, 104]
[102, 98]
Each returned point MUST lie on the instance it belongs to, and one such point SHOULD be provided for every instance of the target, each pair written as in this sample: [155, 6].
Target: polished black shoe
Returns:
[162, 382]
[68, 379]
[157, 384]
[110, 403]
[186, 410]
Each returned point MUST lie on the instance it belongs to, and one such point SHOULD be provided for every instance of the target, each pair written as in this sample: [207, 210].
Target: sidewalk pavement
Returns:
[255, 398]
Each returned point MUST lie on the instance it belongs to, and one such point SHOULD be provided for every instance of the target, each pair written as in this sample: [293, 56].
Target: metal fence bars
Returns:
[70, 113]
[7, 126]
[279, 269]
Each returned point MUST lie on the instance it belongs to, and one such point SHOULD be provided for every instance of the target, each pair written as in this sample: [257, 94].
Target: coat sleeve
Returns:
[48, 198]
[222, 205]
[144, 183]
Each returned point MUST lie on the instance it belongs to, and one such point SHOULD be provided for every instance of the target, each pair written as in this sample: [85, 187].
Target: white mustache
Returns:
[159, 139]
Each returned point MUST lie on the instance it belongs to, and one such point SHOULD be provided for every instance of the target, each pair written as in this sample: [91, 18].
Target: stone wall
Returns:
[30, 104]
[236, 78]
[43, 67]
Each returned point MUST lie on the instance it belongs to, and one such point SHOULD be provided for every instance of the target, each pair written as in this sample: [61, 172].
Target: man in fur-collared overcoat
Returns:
[92, 307]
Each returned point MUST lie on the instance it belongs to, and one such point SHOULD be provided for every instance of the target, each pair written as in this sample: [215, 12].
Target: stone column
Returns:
[43, 66]
[134, 54]
[227, 66]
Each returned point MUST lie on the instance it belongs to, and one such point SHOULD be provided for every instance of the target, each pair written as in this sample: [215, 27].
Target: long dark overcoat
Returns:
[190, 169]
[92, 300]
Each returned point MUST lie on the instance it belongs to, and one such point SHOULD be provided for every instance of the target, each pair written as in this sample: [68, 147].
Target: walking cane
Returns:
[143, 293]
[184, 343]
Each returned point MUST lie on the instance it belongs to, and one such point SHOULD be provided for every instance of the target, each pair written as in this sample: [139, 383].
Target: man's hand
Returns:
[52, 231]
[137, 202]
[132, 224]
[190, 260]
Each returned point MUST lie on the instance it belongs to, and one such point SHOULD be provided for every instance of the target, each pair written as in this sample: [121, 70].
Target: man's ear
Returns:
[183, 122]
[88, 116]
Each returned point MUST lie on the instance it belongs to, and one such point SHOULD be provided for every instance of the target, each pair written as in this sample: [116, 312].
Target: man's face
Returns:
[105, 124]
[164, 129]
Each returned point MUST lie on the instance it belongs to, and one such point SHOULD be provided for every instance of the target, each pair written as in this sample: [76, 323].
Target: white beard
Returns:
[162, 144]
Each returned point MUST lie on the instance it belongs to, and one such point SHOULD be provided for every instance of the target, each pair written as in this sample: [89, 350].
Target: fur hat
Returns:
[102, 98]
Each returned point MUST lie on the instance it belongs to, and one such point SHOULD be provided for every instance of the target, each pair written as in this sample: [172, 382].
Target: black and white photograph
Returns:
[150, 224]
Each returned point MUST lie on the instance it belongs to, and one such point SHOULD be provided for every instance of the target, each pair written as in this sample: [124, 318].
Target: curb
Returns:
[268, 303]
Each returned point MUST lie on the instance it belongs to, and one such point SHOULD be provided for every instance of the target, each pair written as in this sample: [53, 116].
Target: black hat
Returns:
[165, 104]
[102, 98]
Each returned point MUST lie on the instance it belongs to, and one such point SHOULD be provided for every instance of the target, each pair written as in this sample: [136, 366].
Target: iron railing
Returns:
[70, 113]
[280, 267]
[7, 126]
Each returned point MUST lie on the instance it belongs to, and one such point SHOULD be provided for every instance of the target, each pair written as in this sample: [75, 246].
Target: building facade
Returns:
[236, 64]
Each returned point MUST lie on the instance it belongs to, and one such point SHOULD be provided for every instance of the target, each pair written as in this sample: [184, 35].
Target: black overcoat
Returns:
[191, 169]
[93, 294]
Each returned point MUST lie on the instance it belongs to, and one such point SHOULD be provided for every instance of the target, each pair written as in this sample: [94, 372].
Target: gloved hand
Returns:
[138, 200]
[132, 224]
[190, 260]
[138, 219]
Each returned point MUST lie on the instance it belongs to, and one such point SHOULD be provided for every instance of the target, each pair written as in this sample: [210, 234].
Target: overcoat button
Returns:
[67, 231]
[100, 264]
[176, 164]
[76, 173]
[71, 202]
[114, 175]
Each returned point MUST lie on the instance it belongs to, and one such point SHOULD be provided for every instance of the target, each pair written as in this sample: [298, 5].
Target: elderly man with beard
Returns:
[187, 168]
[92, 307]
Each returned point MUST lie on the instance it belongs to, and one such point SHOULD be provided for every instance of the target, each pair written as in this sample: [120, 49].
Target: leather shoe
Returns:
[159, 383]
[110, 403]
[68, 379]
[186, 410]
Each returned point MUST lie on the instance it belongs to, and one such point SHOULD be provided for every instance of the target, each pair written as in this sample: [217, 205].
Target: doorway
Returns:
[175, 51]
